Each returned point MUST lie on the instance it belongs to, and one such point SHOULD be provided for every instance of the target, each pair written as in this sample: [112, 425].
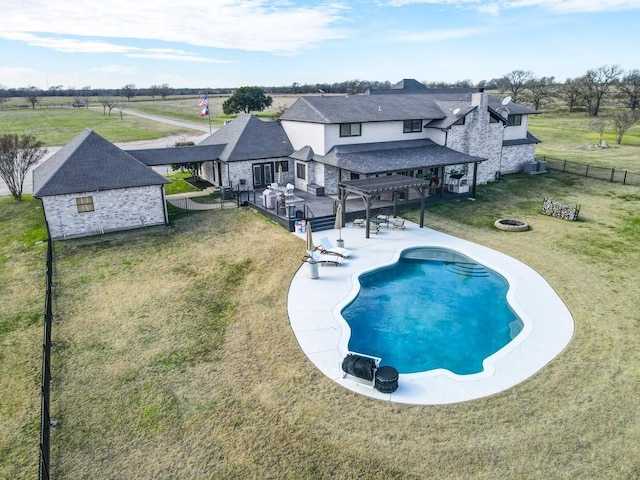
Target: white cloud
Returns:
[253, 25]
[559, 6]
[439, 35]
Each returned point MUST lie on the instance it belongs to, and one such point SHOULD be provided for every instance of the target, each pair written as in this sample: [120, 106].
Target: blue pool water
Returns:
[433, 309]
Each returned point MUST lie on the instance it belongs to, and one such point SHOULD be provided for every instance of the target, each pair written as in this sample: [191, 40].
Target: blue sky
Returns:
[229, 43]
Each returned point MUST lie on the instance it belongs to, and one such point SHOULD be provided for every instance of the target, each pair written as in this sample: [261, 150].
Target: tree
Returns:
[17, 155]
[246, 99]
[623, 121]
[599, 125]
[630, 89]
[86, 95]
[571, 93]
[107, 102]
[120, 106]
[4, 96]
[514, 82]
[538, 89]
[192, 167]
[32, 94]
[596, 84]
[154, 90]
[164, 90]
[128, 91]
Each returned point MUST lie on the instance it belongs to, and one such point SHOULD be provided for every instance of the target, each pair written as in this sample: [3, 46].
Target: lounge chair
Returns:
[374, 228]
[324, 259]
[398, 223]
[328, 248]
[358, 222]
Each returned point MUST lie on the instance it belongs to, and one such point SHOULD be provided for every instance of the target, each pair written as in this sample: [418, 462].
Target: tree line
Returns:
[587, 91]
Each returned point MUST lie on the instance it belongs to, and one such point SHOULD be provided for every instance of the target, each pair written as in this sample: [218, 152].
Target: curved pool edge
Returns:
[314, 311]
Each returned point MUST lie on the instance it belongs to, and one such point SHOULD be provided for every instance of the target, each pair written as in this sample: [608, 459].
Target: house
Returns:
[409, 129]
[252, 152]
[90, 186]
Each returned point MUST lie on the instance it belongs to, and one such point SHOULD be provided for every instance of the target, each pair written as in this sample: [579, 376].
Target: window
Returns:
[410, 126]
[355, 176]
[284, 165]
[493, 119]
[84, 204]
[350, 129]
[515, 119]
[301, 171]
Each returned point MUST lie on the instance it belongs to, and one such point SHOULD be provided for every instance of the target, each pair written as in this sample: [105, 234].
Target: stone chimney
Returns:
[480, 99]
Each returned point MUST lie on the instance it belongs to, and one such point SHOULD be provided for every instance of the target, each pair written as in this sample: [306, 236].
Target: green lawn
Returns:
[187, 109]
[566, 136]
[174, 358]
[178, 184]
[57, 126]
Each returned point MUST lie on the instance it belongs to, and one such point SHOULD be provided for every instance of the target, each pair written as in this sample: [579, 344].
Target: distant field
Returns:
[56, 126]
[55, 122]
[187, 109]
[566, 136]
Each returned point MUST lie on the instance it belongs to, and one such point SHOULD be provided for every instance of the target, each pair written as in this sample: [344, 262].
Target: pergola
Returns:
[370, 189]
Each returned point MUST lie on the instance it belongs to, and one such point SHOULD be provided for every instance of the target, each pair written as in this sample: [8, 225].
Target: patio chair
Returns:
[358, 222]
[398, 223]
[327, 247]
[374, 228]
[383, 220]
[324, 259]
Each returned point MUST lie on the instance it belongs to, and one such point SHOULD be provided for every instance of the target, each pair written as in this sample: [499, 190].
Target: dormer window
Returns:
[350, 129]
[412, 126]
[515, 120]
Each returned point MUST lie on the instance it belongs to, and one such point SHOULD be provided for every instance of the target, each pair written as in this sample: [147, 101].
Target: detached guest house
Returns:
[91, 186]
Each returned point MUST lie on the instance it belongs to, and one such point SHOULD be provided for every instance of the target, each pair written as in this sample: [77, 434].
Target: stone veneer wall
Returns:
[515, 156]
[119, 209]
[479, 137]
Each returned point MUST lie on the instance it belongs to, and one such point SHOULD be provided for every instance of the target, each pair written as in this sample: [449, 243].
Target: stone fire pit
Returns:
[511, 225]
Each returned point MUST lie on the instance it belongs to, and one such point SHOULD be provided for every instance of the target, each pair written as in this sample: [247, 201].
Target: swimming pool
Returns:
[314, 309]
[434, 308]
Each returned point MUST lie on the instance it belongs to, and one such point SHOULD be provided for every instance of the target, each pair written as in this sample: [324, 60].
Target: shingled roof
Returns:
[371, 158]
[177, 155]
[362, 108]
[89, 163]
[247, 137]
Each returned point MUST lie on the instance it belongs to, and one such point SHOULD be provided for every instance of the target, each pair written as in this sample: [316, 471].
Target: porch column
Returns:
[423, 190]
[475, 179]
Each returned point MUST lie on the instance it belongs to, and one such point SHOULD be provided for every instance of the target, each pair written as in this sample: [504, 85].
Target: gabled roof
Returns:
[495, 104]
[171, 155]
[247, 137]
[409, 84]
[371, 158]
[305, 153]
[89, 163]
[454, 110]
[333, 109]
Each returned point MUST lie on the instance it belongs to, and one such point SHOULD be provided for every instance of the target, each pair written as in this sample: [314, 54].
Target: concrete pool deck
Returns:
[314, 307]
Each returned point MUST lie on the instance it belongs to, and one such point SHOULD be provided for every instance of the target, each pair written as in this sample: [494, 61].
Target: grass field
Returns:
[56, 123]
[187, 109]
[57, 126]
[173, 356]
[566, 136]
